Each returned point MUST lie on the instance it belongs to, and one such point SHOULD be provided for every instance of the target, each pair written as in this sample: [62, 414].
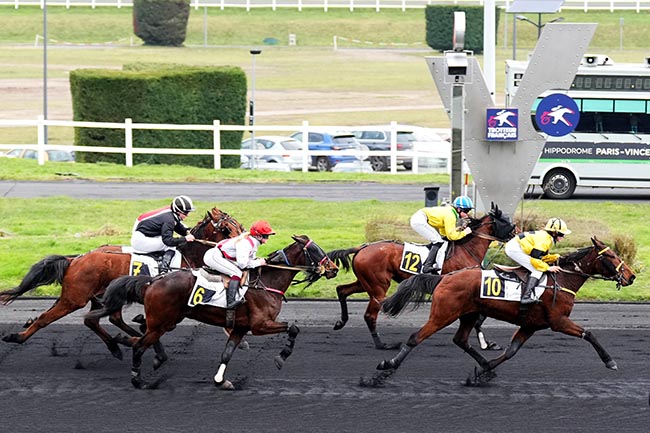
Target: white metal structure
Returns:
[610, 147]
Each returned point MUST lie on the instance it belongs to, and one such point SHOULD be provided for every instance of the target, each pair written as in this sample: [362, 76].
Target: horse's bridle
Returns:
[314, 267]
[618, 277]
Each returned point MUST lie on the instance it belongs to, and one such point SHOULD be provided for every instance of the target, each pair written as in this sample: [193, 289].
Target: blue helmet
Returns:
[463, 202]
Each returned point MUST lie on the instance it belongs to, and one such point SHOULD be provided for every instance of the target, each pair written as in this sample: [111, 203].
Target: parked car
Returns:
[54, 155]
[280, 146]
[329, 140]
[378, 138]
[434, 148]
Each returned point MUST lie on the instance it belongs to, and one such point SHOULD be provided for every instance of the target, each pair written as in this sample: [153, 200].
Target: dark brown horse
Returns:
[84, 278]
[377, 264]
[461, 295]
[165, 300]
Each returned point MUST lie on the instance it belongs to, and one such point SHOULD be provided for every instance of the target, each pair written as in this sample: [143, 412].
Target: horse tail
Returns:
[120, 292]
[342, 257]
[414, 289]
[48, 271]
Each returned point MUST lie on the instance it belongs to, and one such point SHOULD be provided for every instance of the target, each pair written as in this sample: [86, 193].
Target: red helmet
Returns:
[261, 228]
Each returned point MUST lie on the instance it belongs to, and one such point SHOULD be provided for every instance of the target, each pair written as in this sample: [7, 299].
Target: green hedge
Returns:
[164, 94]
[161, 22]
[440, 27]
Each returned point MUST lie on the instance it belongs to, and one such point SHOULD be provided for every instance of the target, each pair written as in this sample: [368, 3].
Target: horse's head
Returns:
[495, 223]
[600, 260]
[307, 253]
[217, 225]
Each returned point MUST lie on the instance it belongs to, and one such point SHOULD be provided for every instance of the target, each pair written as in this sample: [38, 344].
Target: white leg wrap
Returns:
[218, 378]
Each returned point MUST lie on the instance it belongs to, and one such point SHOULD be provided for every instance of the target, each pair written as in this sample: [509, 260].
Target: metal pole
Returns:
[514, 37]
[251, 107]
[457, 123]
[45, 67]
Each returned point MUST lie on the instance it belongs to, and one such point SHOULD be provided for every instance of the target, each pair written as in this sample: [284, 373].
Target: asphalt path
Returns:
[63, 379]
[324, 191]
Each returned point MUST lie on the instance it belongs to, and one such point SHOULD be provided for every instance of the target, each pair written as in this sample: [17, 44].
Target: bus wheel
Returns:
[559, 184]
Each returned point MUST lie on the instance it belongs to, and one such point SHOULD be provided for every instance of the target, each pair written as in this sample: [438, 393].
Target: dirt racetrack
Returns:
[64, 380]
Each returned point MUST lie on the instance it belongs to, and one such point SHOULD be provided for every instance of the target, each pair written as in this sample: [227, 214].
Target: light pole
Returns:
[251, 107]
[45, 68]
[538, 24]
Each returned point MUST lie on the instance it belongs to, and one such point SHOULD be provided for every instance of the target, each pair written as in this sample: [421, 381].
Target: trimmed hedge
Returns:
[161, 22]
[440, 27]
[154, 93]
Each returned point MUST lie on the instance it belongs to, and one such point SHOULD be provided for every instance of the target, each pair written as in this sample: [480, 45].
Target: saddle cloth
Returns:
[147, 264]
[506, 286]
[210, 292]
[413, 256]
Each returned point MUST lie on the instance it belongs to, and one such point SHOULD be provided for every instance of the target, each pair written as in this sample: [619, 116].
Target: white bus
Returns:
[610, 147]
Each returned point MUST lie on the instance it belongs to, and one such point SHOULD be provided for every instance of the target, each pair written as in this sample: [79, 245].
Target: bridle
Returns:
[315, 266]
[618, 275]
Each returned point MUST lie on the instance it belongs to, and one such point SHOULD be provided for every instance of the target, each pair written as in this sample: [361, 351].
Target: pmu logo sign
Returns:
[557, 115]
[502, 124]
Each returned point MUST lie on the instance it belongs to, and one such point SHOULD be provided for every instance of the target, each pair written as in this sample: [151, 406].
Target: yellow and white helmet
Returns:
[556, 225]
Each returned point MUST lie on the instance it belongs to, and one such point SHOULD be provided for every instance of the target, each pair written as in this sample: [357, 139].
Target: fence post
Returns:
[216, 134]
[305, 146]
[393, 147]
[128, 141]
[40, 151]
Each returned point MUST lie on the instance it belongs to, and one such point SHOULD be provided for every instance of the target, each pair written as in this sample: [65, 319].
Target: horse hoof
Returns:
[136, 382]
[278, 361]
[158, 361]
[339, 325]
[11, 338]
[611, 365]
[493, 346]
[480, 378]
[386, 365]
[378, 380]
[243, 345]
[139, 319]
[226, 386]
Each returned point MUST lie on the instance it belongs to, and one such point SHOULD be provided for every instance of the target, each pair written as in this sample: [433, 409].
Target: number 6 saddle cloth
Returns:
[210, 289]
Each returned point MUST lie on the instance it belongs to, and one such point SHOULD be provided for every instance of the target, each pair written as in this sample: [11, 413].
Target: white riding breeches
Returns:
[420, 223]
[514, 251]
[215, 260]
[144, 244]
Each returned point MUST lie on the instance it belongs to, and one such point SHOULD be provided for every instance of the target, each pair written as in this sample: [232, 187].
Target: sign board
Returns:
[502, 124]
[557, 115]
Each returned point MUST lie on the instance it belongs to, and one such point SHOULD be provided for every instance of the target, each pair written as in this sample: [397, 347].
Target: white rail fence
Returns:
[585, 5]
[362, 153]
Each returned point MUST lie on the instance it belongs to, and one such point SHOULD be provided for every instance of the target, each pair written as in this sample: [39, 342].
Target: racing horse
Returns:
[166, 297]
[83, 278]
[377, 264]
[461, 295]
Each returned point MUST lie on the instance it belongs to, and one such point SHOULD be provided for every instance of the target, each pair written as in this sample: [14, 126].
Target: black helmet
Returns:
[182, 204]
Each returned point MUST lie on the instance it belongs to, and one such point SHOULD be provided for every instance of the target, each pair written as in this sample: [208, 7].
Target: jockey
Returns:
[438, 225]
[530, 250]
[154, 231]
[232, 255]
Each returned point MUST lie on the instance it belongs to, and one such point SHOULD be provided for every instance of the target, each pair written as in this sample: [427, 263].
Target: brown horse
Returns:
[461, 295]
[377, 264]
[84, 278]
[165, 302]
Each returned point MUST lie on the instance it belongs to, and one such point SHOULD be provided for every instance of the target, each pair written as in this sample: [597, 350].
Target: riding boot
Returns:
[527, 292]
[166, 261]
[231, 292]
[429, 265]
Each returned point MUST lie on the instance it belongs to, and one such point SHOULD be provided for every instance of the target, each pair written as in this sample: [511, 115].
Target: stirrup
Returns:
[235, 304]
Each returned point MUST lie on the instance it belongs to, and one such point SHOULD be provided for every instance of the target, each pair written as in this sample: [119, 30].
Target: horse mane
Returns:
[575, 256]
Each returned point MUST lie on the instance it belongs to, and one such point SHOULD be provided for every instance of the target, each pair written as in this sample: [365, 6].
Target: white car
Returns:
[278, 156]
[434, 149]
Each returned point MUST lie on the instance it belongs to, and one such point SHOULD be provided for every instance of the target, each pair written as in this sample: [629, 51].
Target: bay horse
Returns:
[165, 300]
[458, 296]
[377, 264]
[83, 278]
